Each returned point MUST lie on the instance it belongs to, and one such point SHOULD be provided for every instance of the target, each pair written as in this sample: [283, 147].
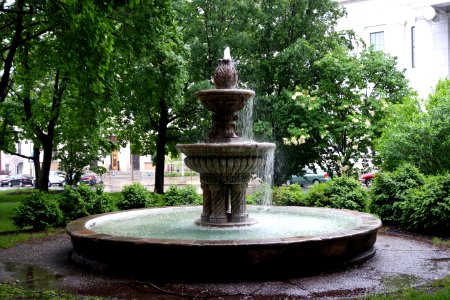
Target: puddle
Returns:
[399, 282]
[28, 276]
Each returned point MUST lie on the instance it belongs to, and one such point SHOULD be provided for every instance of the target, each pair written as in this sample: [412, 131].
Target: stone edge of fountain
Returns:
[254, 258]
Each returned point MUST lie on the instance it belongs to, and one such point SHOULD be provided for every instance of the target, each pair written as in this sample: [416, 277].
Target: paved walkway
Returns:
[400, 262]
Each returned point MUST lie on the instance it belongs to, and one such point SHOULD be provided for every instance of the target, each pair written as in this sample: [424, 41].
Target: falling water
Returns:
[265, 172]
[244, 123]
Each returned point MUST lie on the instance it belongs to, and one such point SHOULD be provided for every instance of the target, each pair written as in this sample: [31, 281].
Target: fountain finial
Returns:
[226, 75]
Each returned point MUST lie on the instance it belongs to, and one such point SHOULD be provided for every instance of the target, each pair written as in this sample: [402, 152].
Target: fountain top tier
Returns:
[224, 101]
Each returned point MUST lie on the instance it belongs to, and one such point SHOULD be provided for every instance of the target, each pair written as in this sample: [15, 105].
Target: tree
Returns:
[62, 55]
[274, 44]
[340, 117]
[158, 107]
[418, 134]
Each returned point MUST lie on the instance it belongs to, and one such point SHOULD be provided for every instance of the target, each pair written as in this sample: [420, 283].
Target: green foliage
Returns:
[340, 192]
[427, 207]
[288, 195]
[133, 195]
[83, 201]
[389, 190]
[72, 204]
[37, 210]
[417, 136]
[182, 196]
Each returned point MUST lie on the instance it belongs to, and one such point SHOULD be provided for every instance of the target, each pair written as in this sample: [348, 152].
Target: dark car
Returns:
[90, 179]
[4, 179]
[21, 180]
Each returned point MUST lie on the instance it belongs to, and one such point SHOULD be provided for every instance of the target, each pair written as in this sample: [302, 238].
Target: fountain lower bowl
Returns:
[233, 255]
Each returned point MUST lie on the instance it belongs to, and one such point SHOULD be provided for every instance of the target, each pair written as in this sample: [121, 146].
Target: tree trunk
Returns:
[46, 163]
[37, 166]
[161, 147]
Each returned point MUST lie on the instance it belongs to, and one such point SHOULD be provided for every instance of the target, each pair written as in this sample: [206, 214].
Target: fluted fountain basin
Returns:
[225, 159]
[165, 242]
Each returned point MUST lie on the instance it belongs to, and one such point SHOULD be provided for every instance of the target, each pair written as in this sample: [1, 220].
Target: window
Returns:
[377, 40]
[19, 148]
[413, 47]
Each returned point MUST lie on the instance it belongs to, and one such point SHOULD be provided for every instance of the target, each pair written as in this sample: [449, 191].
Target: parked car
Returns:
[56, 177]
[90, 179]
[4, 179]
[21, 180]
[367, 178]
[309, 177]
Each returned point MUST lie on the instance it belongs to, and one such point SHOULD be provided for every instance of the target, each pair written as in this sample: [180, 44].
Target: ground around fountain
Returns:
[401, 261]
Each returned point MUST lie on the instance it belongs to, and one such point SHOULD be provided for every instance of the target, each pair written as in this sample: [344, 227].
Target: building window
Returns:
[7, 167]
[377, 40]
[413, 47]
[19, 148]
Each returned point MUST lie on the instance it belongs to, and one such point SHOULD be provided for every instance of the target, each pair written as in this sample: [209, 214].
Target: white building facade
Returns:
[417, 32]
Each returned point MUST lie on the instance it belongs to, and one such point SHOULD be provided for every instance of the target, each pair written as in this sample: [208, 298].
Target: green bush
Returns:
[37, 210]
[72, 205]
[133, 195]
[288, 195]
[340, 192]
[182, 196]
[317, 196]
[427, 208]
[83, 201]
[100, 202]
[346, 192]
[389, 190]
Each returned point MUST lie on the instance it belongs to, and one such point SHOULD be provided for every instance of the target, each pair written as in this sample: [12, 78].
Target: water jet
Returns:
[224, 238]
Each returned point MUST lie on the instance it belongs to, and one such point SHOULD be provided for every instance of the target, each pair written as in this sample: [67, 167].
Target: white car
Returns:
[56, 177]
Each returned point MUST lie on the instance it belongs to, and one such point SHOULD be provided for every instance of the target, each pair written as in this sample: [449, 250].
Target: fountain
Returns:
[224, 240]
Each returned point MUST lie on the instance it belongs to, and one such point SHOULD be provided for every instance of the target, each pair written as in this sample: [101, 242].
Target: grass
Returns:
[438, 290]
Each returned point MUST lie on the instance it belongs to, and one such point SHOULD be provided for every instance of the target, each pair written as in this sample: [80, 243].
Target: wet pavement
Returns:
[401, 261]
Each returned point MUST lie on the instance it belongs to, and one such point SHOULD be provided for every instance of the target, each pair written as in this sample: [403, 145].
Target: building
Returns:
[119, 161]
[417, 32]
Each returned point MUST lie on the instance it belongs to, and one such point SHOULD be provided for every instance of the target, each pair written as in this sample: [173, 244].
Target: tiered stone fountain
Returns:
[225, 161]
[219, 239]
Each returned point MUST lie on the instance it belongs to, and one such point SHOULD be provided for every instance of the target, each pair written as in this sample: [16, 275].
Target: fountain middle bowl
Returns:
[173, 246]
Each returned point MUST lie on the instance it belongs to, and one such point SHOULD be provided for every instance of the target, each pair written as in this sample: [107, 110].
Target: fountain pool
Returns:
[165, 242]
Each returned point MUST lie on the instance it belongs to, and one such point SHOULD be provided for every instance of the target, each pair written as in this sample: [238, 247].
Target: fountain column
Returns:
[206, 202]
[218, 204]
[238, 204]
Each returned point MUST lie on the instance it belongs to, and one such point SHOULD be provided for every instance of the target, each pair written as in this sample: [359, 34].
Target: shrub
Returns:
[289, 195]
[346, 192]
[390, 189]
[72, 205]
[182, 196]
[317, 196]
[340, 192]
[427, 208]
[83, 201]
[37, 210]
[99, 202]
[133, 195]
